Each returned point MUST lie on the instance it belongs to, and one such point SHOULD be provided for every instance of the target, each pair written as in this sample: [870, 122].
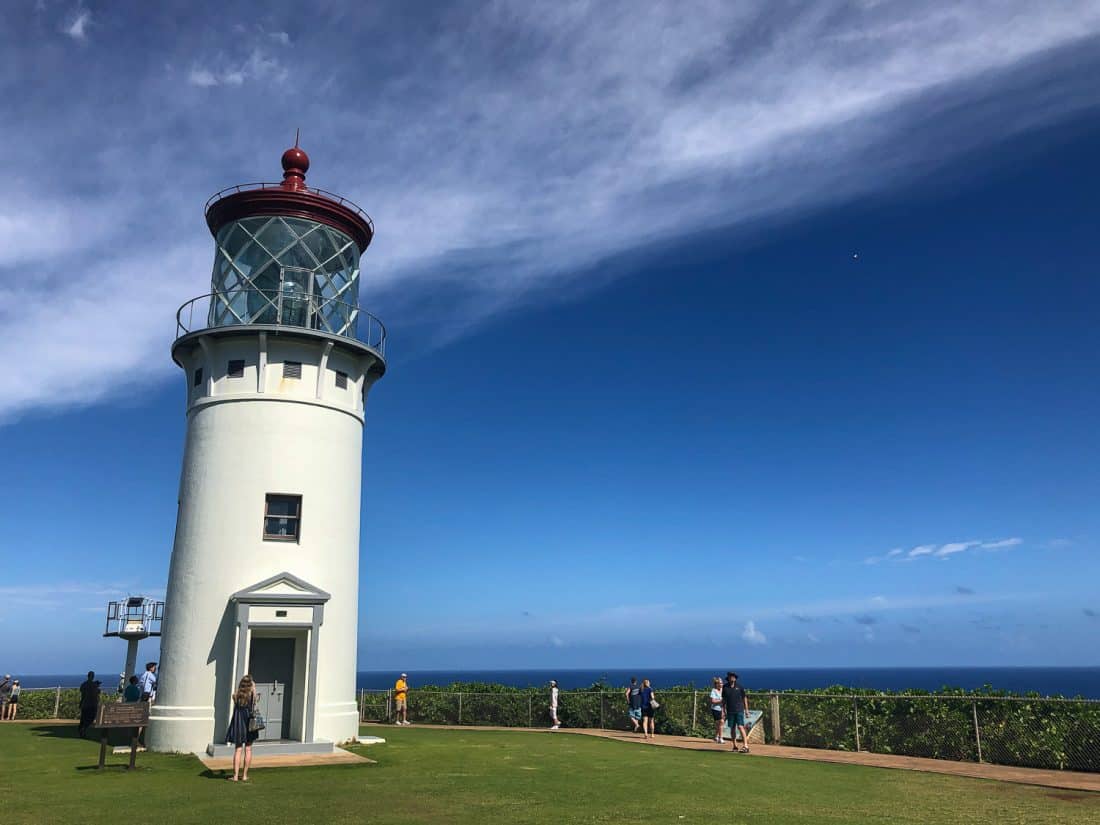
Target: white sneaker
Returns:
[554, 727]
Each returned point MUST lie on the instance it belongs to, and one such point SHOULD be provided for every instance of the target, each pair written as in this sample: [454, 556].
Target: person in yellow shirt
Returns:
[401, 699]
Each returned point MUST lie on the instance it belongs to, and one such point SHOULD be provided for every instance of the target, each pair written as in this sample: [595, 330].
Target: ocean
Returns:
[1048, 681]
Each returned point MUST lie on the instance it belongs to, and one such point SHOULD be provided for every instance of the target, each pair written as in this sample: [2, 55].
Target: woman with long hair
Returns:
[240, 731]
[649, 707]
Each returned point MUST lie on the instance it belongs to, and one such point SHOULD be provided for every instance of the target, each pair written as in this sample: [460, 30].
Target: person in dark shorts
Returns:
[716, 710]
[89, 703]
[737, 705]
[634, 703]
[649, 708]
[13, 702]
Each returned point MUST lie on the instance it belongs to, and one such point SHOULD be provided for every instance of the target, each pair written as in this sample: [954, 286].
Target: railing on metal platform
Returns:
[281, 308]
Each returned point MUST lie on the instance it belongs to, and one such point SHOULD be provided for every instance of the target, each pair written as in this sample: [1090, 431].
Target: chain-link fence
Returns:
[1062, 734]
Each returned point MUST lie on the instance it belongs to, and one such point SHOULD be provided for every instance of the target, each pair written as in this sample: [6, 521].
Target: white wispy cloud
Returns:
[77, 24]
[1002, 544]
[941, 551]
[492, 168]
[259, 65]
[752, 635]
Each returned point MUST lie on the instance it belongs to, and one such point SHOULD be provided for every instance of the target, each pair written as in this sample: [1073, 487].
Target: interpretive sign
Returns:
[121, 715]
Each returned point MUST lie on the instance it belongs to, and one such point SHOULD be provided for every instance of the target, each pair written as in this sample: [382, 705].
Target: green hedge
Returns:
[39, 703]
[1035, 732]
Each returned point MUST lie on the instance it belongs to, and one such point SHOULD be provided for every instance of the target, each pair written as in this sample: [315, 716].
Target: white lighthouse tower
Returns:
[264, 577]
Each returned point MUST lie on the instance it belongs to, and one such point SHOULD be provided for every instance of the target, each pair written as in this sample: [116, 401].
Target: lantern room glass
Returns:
[288, 271]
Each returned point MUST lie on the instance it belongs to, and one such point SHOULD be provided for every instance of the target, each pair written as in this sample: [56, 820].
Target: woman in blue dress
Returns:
[240, 732]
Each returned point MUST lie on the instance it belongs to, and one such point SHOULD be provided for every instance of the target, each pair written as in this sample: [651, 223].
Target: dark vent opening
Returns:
[341, 380]
[198, 378]
[236, 369]
[292, 369]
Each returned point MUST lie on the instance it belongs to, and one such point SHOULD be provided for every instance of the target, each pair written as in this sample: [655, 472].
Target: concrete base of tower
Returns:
[180, 729]
[338, 722]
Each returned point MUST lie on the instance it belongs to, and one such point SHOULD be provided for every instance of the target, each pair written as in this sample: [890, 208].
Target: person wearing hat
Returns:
[401, 699]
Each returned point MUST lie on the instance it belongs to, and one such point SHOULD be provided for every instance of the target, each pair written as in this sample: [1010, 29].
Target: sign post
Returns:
[121, 715]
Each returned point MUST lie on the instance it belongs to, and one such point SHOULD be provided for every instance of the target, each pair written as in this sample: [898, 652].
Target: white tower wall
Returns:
[247, 437]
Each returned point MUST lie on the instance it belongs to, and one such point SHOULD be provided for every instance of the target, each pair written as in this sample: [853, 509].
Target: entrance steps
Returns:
[274, 747]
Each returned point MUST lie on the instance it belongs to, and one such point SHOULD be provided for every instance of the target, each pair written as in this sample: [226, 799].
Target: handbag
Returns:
[256, 722]
[653, 703]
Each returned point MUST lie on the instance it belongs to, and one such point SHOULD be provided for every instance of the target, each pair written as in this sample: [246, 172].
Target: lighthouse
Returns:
[264, 579]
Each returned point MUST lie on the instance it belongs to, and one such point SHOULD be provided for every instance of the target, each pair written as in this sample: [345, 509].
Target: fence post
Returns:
[530, 711]
[694, 709]
[977, 729]
[601, 709]
[776, 730]
[389, 704]
[460, 708]
[855, 708]
[57, 702]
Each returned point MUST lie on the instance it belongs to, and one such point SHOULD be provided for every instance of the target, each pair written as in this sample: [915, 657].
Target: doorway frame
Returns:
[303, 608]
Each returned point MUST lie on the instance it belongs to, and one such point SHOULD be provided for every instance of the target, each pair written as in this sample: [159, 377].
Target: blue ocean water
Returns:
[1048, 681]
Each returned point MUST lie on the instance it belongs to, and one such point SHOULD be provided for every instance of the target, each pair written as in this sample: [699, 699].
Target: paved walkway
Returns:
[1070, 780]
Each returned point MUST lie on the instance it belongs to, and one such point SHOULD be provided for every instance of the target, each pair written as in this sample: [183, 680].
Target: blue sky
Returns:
[763, 334]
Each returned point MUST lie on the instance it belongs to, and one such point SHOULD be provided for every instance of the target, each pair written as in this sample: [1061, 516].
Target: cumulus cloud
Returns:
[523, 147]
[753, 636]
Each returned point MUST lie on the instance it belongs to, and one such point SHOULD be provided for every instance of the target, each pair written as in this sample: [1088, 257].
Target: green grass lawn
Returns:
[437, 776]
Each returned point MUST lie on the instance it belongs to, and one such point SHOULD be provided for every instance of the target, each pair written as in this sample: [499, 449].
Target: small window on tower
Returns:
[236, 369]
[198, 378]
[341, 380]
[282, 517]
[292, 369]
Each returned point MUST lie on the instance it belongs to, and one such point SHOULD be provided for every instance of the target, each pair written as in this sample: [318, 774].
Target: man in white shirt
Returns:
[148, 682]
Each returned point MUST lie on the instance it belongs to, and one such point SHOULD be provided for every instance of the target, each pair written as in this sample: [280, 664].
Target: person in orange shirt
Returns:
[401, 699]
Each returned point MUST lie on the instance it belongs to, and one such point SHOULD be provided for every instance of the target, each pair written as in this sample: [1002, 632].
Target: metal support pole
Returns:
[57, 702]
[694, 709]
[460, 708]
[601, 710]
[530, 711]
[131, 659]
[977, 729]
[389, 705]
[776, 730]
[855, 708]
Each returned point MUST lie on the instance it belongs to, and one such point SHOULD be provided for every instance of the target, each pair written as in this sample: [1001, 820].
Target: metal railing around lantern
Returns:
[324, 193]
[281, 308]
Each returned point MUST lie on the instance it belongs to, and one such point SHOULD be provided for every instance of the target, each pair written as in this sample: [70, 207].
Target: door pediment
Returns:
[283, 588]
